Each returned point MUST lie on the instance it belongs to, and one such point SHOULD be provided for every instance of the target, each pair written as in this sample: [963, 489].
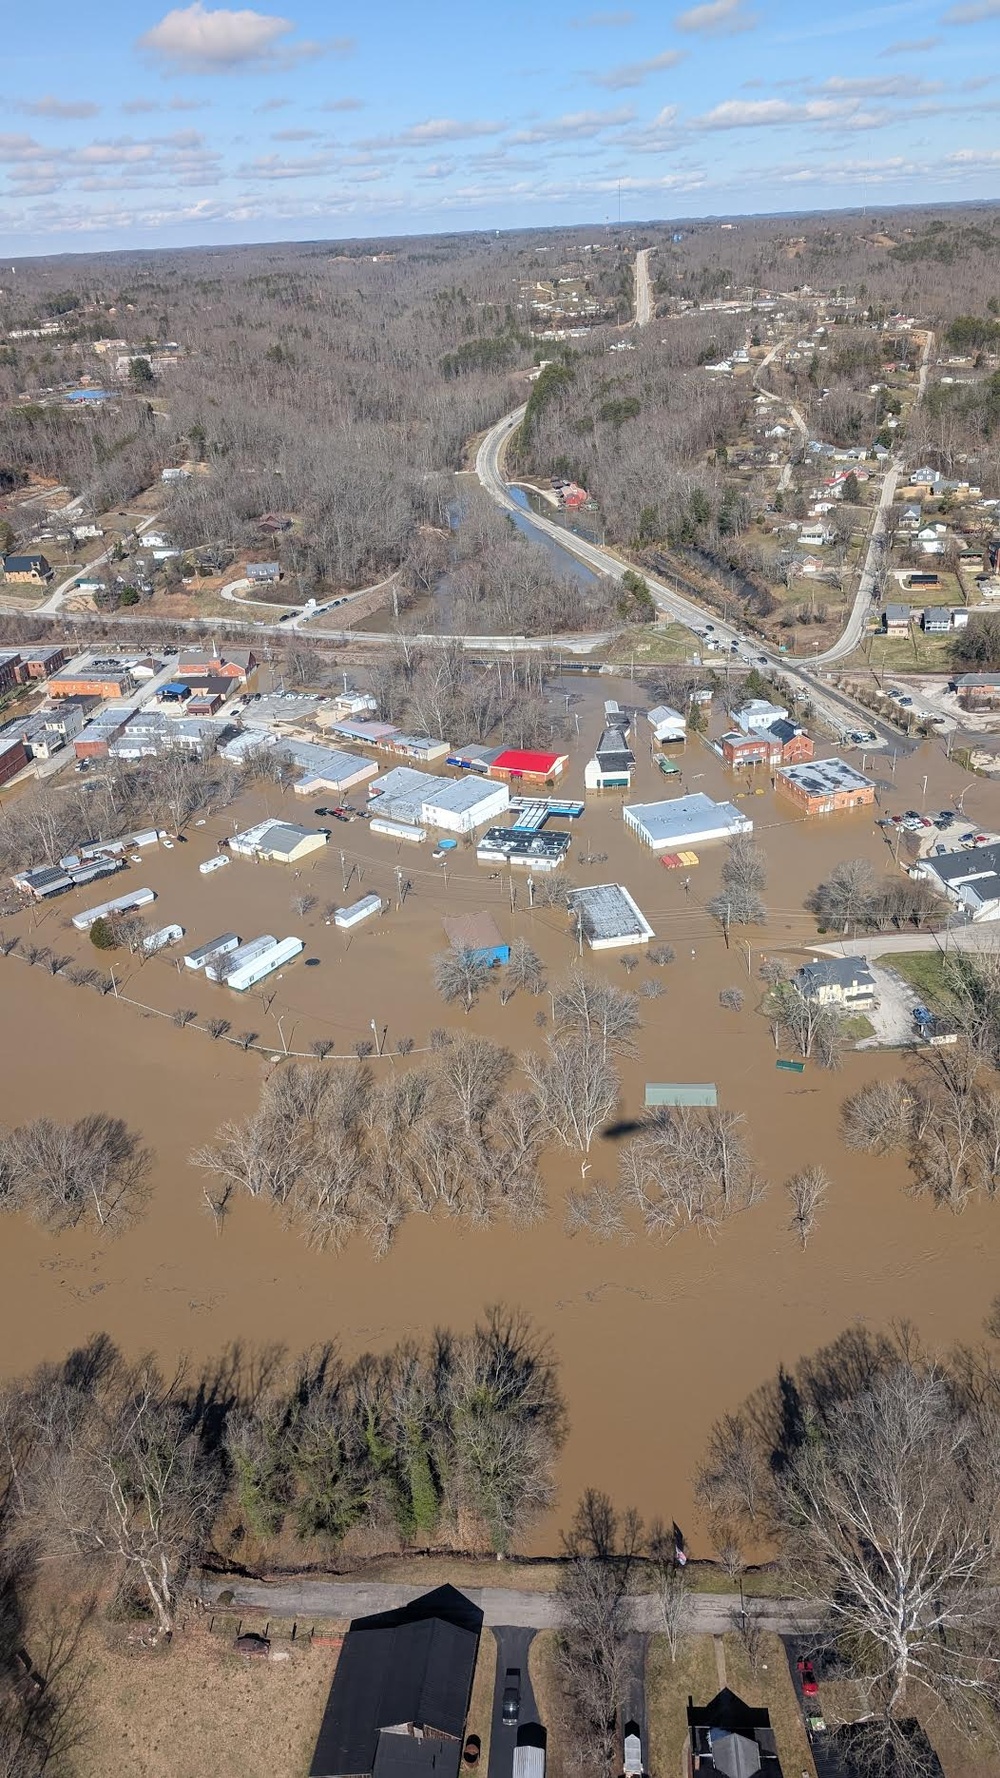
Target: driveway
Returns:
[893, 1017]
[513, 1645]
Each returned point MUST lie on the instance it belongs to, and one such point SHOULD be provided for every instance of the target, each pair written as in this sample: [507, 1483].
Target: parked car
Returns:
[807, 1678]
[512, 1697]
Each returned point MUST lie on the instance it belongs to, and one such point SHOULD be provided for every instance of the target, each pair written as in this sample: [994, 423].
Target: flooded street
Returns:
[654, 1340]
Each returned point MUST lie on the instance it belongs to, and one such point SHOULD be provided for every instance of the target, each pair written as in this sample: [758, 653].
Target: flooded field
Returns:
[654, 1341]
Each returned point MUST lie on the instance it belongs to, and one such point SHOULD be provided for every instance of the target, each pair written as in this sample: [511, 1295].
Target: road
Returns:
[54, 602]
[513, 1644]
[712, 1613]
[982, 935]
[857, 622]
[643, 291]
[834, 707]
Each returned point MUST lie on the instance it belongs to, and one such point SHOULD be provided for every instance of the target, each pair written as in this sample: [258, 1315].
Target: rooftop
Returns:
[608, 912]
[824, 777]
[966, 866]
[844, 972]
[683, 818]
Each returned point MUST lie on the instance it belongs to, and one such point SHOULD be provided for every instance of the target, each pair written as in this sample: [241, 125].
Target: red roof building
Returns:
[516, 764]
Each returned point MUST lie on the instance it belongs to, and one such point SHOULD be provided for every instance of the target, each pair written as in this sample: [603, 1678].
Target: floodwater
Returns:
[654, 1341]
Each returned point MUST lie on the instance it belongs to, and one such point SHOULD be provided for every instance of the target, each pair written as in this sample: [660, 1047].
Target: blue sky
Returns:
[133, 125]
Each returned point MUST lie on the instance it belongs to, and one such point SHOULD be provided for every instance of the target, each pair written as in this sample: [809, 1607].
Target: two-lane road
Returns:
[643, 290]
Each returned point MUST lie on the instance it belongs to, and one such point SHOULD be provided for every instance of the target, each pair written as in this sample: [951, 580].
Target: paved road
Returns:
[513, 1644]
[983, 935]
[643, 291]
[835, 707]
[53, 604]
[712, 1613]
[857, 622]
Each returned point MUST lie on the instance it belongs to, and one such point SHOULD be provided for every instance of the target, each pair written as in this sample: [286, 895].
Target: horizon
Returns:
[202, 126]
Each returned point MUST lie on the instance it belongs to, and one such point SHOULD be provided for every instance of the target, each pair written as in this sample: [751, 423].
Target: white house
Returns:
[666, 723]
[757, 715]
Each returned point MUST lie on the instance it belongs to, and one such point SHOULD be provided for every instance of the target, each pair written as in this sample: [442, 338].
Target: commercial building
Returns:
[93, 678]
[236, 666]
[458, 805]
[757, 715]
[684, 821]
[148, 733]
[528, 848]
[94, 741]
[979, 691]
[39, 663]
[667, 724]
[970, 878]
[844, 982]
[608, 918]
[520, 765]
[781, 744]
[401, 1691]
[13, 757]
[825, 785]
[480, 934]
[280, 842]
[10, 661]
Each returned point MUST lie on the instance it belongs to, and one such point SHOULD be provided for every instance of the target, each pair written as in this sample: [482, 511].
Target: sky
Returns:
[131, 125]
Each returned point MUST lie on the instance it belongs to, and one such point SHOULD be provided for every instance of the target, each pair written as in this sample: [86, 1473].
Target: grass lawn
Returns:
[907, 654]
[548, 1697]
[652, 645]
[771, 1685]
[669, 1684]
[857, 1027]
[927, 971]
[198, 1708]
[480, 1716]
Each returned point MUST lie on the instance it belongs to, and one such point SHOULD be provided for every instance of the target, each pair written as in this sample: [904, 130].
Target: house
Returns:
[824, 785]
[970, 878]
[520, 765]
[33, 570]
[273, 522]
[740, 751]
[758, 715]
[730, 1737]
[480, 934]
[931, 540]
[666, 723]
[844, 982]
[611, 766]
[815, 536]
[936, 620]
[401, 1690]
[175, 475]
[13, 757]
[263, 571]
[979, 691]
[896, 620]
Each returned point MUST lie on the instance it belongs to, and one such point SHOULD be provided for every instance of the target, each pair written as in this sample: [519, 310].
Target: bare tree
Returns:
[689, 1169]
[732, 998]
[806, 1191]
[321, 1047]
[845, 901]
[65, 1173]
[575, 1087]
[524, 967]
[814, 1029]
[660, 955]
[185, 1015]
[879, 1117]
[592, 1009]
[218, 1027]
[598, 1211]
[460, 974]
[475, 1071]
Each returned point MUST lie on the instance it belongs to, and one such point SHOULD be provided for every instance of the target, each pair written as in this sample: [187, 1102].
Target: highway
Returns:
[834, 706]
[643, 292]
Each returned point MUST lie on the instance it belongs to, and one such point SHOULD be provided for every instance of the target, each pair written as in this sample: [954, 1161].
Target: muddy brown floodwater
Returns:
[653, 1341]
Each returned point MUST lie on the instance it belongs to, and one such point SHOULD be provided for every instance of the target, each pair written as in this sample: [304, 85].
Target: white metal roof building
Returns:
[666, 723]
[281, 841]
[456, 804]
[758, 714]
[684, 821]
[609, 917]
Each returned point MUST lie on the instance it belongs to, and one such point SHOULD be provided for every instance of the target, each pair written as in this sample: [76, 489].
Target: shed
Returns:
[478, 933]
[675, 1093]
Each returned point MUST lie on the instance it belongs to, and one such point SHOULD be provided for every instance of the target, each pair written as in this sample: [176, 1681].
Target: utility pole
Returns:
[749, 963]
[725, 927]
[343, 872]
[378, 1041]
[531, 892]
[399, 886]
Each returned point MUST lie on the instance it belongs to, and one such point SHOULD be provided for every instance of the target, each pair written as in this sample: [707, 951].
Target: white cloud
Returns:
[201, 40]
[910, 46]
[631, 74]
[271, 105]
[51, 107]
[974, 14]
[751, 114]
[436, 129]
[347, 104]
[893, 87]
[296, 136]
[575, 125]
[717, 18]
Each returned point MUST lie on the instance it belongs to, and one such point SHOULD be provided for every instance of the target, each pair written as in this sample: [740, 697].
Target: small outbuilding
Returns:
[480, 934]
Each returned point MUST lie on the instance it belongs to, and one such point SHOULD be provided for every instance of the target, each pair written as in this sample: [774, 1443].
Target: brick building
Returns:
[825, 785]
